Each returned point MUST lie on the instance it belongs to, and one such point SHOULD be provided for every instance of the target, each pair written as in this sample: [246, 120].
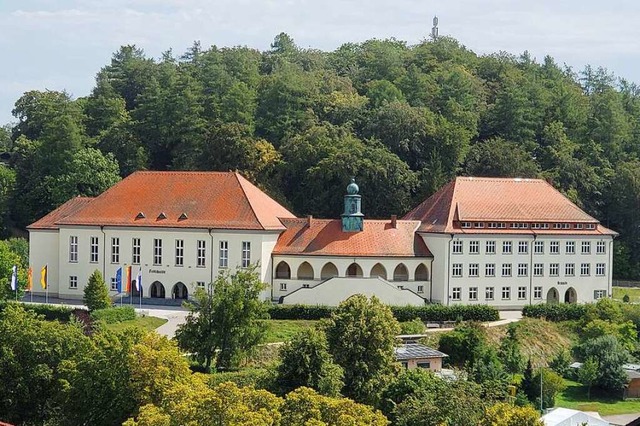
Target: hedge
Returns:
[114, 315]
[426, 313]
[555, 312]
[50, 312]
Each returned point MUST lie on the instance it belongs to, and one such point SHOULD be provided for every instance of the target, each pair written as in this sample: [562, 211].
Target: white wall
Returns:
[43, 250]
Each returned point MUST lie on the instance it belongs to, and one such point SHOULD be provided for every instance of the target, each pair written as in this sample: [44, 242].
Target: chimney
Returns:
[394, 220]
[309, 220]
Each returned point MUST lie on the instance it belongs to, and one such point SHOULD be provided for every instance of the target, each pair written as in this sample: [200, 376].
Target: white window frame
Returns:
[585, 247]
[522, 293]
[94, 250]
[490, 247]
[601, 247]
[506, 291]
[585, 269]
[114, 284]
[523, 247]
[456, 293]
[490, 270]
[456, 247]
[489, 293]
[600, 269]
[554, 269]
[73, 249]
[569, 269]
[135, 251]
[537, 292]
[554, 247]
[179, 253]
[473, 293]
[456, 270]
[599, 294]
[283, 286]
[223, 254]
[474, 247]
[246, 254]
[538, 247]
[523, 269]
[474, 270]
[506, 269]
[201, 254]
[570, 247]
[157, 251]
[420, 289]
[538, 269]
[507, 247]
[115, 250]
[73, 282]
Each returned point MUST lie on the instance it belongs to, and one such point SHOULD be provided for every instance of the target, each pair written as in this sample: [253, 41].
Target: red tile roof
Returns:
[324, 237]
[220, 200]
[471, 199]
[67, 209]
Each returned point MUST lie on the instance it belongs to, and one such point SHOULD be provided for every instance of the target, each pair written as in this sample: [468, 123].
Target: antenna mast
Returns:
[434, 29]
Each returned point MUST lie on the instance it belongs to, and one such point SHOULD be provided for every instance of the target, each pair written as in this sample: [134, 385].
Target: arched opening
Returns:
[179, 291]
[552, 296]
[283, 270]
[422, 273]
[354, 270]
[329, 270]
[305, 271]
[401, 273]
[157, 290]
[378, 271]
[570, 296]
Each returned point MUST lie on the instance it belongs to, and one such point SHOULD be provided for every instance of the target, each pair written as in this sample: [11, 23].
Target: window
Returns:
[538, 269]
[490, 247]
[425, 365]
[201, 253]
[73, 282]
[523, 269]
[135, 251]
[570, 247]
[554, 269]
[474, 247]
[473, 293]
[114, 284]
[586, 247]
[200, 284]
[537, 293]
[538, 247]
[600, 269]
[585, 269]
[590, 226]
[456, 293]
[457, 247]
[506, 247]
[465, 225]
[420, 289]
[246, 254]
[578, 226]
[601, 247]
[490, 270]
[522, 293]
[283, 286]
[224, 254]
[554, 247]
[473, 270]
[599, 294]
[179, 252]
[115, 250]
[478, 225]
[157, 251]
[73, 249]
[569, 269]
[405, 364]
[506, 293]
[506, 269]
[488, 293]
[523, 247]
[94, 250]
[456, 270]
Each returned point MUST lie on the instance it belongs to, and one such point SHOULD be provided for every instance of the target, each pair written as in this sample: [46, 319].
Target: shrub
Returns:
[50, 312]
[415, 326]
[96, 295]
[626, 298]
[114, 315]
[299, 312]
[555, 313]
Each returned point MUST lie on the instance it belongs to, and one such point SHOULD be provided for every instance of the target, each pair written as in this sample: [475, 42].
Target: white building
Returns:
[505, 242]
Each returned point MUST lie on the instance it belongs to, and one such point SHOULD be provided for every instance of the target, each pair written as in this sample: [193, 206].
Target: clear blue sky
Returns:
[62, 44]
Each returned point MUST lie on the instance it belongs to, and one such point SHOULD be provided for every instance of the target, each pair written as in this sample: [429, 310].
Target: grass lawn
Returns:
[283, 330]
[145, 323]
[575, 396]
[633, 292]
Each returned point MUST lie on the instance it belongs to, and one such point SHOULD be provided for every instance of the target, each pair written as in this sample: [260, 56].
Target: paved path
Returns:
[174, 318]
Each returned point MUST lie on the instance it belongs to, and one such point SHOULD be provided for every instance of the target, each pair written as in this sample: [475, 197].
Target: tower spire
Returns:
[352, 218]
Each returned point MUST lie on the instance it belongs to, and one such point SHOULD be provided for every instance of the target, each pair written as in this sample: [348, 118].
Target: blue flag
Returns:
[119, 280]
[14, 278]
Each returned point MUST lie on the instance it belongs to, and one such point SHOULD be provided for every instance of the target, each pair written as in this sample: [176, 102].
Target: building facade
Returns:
[503, 242]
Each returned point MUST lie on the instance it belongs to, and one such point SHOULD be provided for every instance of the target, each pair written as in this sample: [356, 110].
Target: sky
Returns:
[62, 44]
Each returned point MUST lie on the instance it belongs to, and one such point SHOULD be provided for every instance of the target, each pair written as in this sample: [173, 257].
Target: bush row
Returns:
[556, 312]
[435, 313]
[114, 315]
[50, 312]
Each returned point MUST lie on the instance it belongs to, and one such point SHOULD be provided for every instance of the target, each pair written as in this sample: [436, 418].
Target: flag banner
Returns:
[30, 279]
[127, 280]
[14, 278]
[43, 277]
[139, 280]
[119, 280]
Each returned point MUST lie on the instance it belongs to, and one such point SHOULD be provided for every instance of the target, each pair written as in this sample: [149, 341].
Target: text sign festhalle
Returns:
[157, 271]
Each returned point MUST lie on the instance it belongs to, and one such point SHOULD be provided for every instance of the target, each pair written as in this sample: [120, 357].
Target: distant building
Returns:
[417, 355]
[568, 417]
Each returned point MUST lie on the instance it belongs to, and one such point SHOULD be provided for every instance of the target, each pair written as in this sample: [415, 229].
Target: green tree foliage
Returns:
[96, 295]
[509, 352]
[588, 374]
[11, 254]
[361, 335]
[509, 415]
[560, 363]
[305, 361]
[609, 355]
[7, 184]
[464, 344]
[224, 323]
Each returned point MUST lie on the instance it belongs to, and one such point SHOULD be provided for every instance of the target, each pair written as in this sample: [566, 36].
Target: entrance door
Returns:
[552, 296]
[157, 290]
[570, 296]
[179, 291]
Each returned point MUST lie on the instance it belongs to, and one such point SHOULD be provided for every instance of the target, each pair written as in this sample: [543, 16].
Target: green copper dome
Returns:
[352, 188]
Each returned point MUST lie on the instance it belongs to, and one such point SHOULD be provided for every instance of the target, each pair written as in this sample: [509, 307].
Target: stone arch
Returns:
[552, 296]
[157, 290]
[378, 270]
[305, 271]
[401, 273]
[179, 291]
[283, 270]
[570, 296]
[354, 270]
[422, 273]
[329, 270]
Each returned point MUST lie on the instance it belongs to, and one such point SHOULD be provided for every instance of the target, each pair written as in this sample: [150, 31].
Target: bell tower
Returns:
[352, 218]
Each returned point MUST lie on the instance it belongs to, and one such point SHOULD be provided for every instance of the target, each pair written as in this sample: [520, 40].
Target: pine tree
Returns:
[96, 295]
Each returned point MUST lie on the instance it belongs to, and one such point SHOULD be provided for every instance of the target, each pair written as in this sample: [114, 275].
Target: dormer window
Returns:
[465, 225]
[183, 216]
[478, 225]
[162, 216]
[140, 216]
[591, 226]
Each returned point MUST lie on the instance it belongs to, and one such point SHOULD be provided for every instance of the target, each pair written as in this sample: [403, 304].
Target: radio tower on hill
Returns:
[434, 29]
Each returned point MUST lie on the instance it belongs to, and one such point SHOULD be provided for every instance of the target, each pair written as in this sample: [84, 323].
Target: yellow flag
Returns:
[43, 277]
[30, 279]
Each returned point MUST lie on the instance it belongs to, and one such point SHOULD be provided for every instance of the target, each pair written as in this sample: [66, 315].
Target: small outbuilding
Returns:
[417, 355]
[568, 417]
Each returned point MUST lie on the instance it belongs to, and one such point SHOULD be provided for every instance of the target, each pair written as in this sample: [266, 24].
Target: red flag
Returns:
[128, 279]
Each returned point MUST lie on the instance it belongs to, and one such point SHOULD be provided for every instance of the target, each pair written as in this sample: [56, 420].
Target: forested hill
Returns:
[299, 122]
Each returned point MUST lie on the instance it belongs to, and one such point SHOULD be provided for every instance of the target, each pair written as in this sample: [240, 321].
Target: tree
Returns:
[464, 344]
[609, 355]
[7, 184]
[588, 374]
[552, 384]
[96, 295]
[504, 414]
[8, 259]
[224, 322]
[361, 335]
[498, 157]
[305, 361]
[560, 363]
[509, 352]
